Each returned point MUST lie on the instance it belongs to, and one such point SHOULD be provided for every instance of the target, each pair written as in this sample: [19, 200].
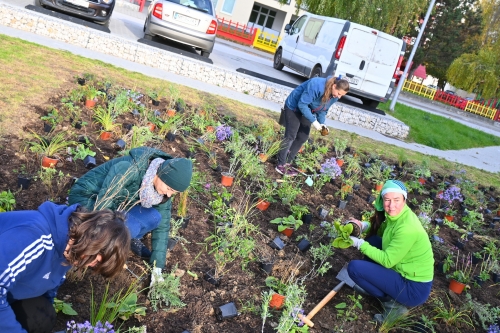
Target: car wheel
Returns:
[370, 103]
[316, 72]
[277, 60]
[205, 54]
[148, 37]
[38, 4]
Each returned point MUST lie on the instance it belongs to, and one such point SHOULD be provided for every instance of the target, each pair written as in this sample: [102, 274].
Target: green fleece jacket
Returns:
[406, 247]
[115, 185]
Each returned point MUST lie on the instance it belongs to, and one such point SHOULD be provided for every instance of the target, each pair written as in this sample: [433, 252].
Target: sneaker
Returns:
[139, 249]
[286, 170]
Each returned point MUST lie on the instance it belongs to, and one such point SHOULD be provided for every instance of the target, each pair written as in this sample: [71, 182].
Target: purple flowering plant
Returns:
[451, 194]
[223, 132]
[330, 168]
[87, 327]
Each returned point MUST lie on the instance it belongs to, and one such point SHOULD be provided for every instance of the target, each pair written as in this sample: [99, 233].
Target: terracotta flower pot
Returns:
[90, 103]
[456, 287]
[48, 162]
[210, 129]
[421, 181]
[340, 162]
[227, 179]
[171, 113]
[105, 135]
[288, 232]
[449, 217]
[378, 187]
[263, 205]
[498, 212]
[263, 157]
[277, 301]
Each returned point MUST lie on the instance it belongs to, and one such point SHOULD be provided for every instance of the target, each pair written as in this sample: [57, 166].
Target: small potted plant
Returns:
[50, 148]
[279, 288]
[106, 120]
[174, 237]
[265, 195]
[340, 146]
[286, 225]
[449, 214]
[153, 95]
[301, 213]
[91, 94]
[344, 231]
[51, 120]
[462, 274]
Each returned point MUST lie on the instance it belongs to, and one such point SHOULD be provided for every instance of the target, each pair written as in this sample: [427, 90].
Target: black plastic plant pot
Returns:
[439, 267]
[78, 125]
[367, 165]
[47, 128]
[81, 81]
[201, 141]
[226, 311]
[470, 235]
[487, 211]
[439, 221]
[267, 267]
[304, 245]
[370, 199]
[460, 244]
[128, 127]
[277, 244]
[323, 213]
[120, 144]
[83, 139]
[356, 187]
[478, 280]
[342, 204]
[475, 260]
[210, 277]
[179, 107]
[172, 242]
[89, 162]
[493, 225]
[136, 113]
[170, 136]
[23, 182]
[155, 102]
[185, 222]
[307, 218]
[496, 219]
[216, 168]
[495, 277]
[451, 178]
[349, 197]
[189, 154]
[157, 113]
[430, 179]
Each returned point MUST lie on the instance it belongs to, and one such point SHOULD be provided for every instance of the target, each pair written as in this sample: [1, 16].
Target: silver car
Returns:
[191, 22]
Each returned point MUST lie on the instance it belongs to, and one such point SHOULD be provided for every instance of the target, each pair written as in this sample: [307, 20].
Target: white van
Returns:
[321, 46]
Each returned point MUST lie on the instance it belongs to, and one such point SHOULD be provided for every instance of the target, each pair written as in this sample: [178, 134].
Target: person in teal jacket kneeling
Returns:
[400, 263]
[141, 184]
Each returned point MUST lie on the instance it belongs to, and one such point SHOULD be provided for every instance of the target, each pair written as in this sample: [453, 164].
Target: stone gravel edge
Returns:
[74, 34]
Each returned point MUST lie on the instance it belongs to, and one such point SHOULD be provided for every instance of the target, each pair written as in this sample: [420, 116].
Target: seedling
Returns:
[343, 240]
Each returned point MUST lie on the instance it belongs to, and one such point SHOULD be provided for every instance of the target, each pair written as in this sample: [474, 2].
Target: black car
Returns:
[98, 11]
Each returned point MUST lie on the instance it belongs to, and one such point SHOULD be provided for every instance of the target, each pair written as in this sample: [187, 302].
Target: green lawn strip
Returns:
[53, 70]
[439, 132]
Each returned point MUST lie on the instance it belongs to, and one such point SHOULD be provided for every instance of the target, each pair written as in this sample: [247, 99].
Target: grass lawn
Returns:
[31, 74]
[439, 132]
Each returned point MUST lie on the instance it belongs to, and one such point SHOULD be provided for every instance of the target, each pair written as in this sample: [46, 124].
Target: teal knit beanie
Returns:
[176, 173]
[394, 186]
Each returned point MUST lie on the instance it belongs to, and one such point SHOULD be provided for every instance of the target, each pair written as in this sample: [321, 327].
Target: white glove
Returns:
[357, 242]
[156, 276]
[316, 125]
[365, 225]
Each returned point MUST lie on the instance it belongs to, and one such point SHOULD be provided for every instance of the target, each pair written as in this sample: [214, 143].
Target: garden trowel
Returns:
[344, 278]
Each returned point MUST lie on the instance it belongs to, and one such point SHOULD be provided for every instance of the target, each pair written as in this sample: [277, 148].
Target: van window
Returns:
[386, 52]
[329, 34]
[297, 26]
[312, 30]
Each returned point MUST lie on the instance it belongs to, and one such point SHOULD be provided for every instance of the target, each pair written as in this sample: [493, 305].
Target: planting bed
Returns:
[243, 287]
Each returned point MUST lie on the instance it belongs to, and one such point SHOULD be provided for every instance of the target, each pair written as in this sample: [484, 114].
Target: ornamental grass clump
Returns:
[223, 132]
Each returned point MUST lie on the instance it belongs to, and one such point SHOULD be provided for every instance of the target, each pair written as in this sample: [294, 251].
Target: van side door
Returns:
[289, 42]
[305, 54]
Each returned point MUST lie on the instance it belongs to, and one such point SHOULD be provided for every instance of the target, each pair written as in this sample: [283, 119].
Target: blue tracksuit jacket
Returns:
[306, 98]
[32, 244]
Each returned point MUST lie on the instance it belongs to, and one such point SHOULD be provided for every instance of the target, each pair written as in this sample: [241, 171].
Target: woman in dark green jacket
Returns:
[141, 184]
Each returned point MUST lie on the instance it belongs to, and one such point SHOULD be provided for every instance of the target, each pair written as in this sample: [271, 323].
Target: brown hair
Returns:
[375, 222]
[99, 232]
[340, 84]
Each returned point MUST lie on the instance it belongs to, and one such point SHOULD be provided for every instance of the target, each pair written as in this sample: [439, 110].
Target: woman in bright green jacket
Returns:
[400, 263]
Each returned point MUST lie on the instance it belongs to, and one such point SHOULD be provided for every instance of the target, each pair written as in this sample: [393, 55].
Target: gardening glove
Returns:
[357, 242]
[156, 276]
[316, 125]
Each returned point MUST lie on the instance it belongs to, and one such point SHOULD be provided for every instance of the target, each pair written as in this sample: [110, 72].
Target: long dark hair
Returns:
[375, 222]
[99, 232]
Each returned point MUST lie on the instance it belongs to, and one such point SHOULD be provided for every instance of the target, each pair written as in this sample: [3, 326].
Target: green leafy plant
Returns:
[7, 201]
[268, 189]
[66, 308]
[105, 118]
[449, 314]
[128, 307]
[340, 146]
[287, 222]
[81, 151]
[264, 313]
[343, 240]
[448, 263]
[166, 293]
[276, 285]
[54, 182]
[51, 146]
[463, 269]
[92, 92]
[349, 312]
[299, 210]
[288, 190]
[320, 256]
[53, 117]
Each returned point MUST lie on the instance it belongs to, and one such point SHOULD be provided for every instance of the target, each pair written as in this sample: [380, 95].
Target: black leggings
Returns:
[36, 315]
[297, 129]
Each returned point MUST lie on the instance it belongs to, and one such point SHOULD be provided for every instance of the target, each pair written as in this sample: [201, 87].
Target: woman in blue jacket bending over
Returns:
[38, 247]
[306, 106]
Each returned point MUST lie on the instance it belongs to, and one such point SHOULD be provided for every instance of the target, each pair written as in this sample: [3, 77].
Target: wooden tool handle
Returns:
[325, 300]
[305, 320]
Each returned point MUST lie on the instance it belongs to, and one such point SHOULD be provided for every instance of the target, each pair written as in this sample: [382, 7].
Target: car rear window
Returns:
[201, 5]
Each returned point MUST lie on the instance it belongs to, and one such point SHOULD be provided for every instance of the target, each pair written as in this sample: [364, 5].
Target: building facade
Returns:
[268, 15]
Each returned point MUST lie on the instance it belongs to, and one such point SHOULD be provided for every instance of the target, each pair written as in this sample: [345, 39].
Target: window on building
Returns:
[262, 16]
[228, 6]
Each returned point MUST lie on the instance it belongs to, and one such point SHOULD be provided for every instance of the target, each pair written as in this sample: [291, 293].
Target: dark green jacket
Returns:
[115, 185]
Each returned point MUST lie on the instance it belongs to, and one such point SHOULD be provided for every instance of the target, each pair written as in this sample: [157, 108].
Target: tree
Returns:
[390, 16]
[480, 71]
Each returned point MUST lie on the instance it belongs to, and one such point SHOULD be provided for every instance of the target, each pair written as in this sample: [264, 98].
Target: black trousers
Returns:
[297, 129]
[36, 315]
